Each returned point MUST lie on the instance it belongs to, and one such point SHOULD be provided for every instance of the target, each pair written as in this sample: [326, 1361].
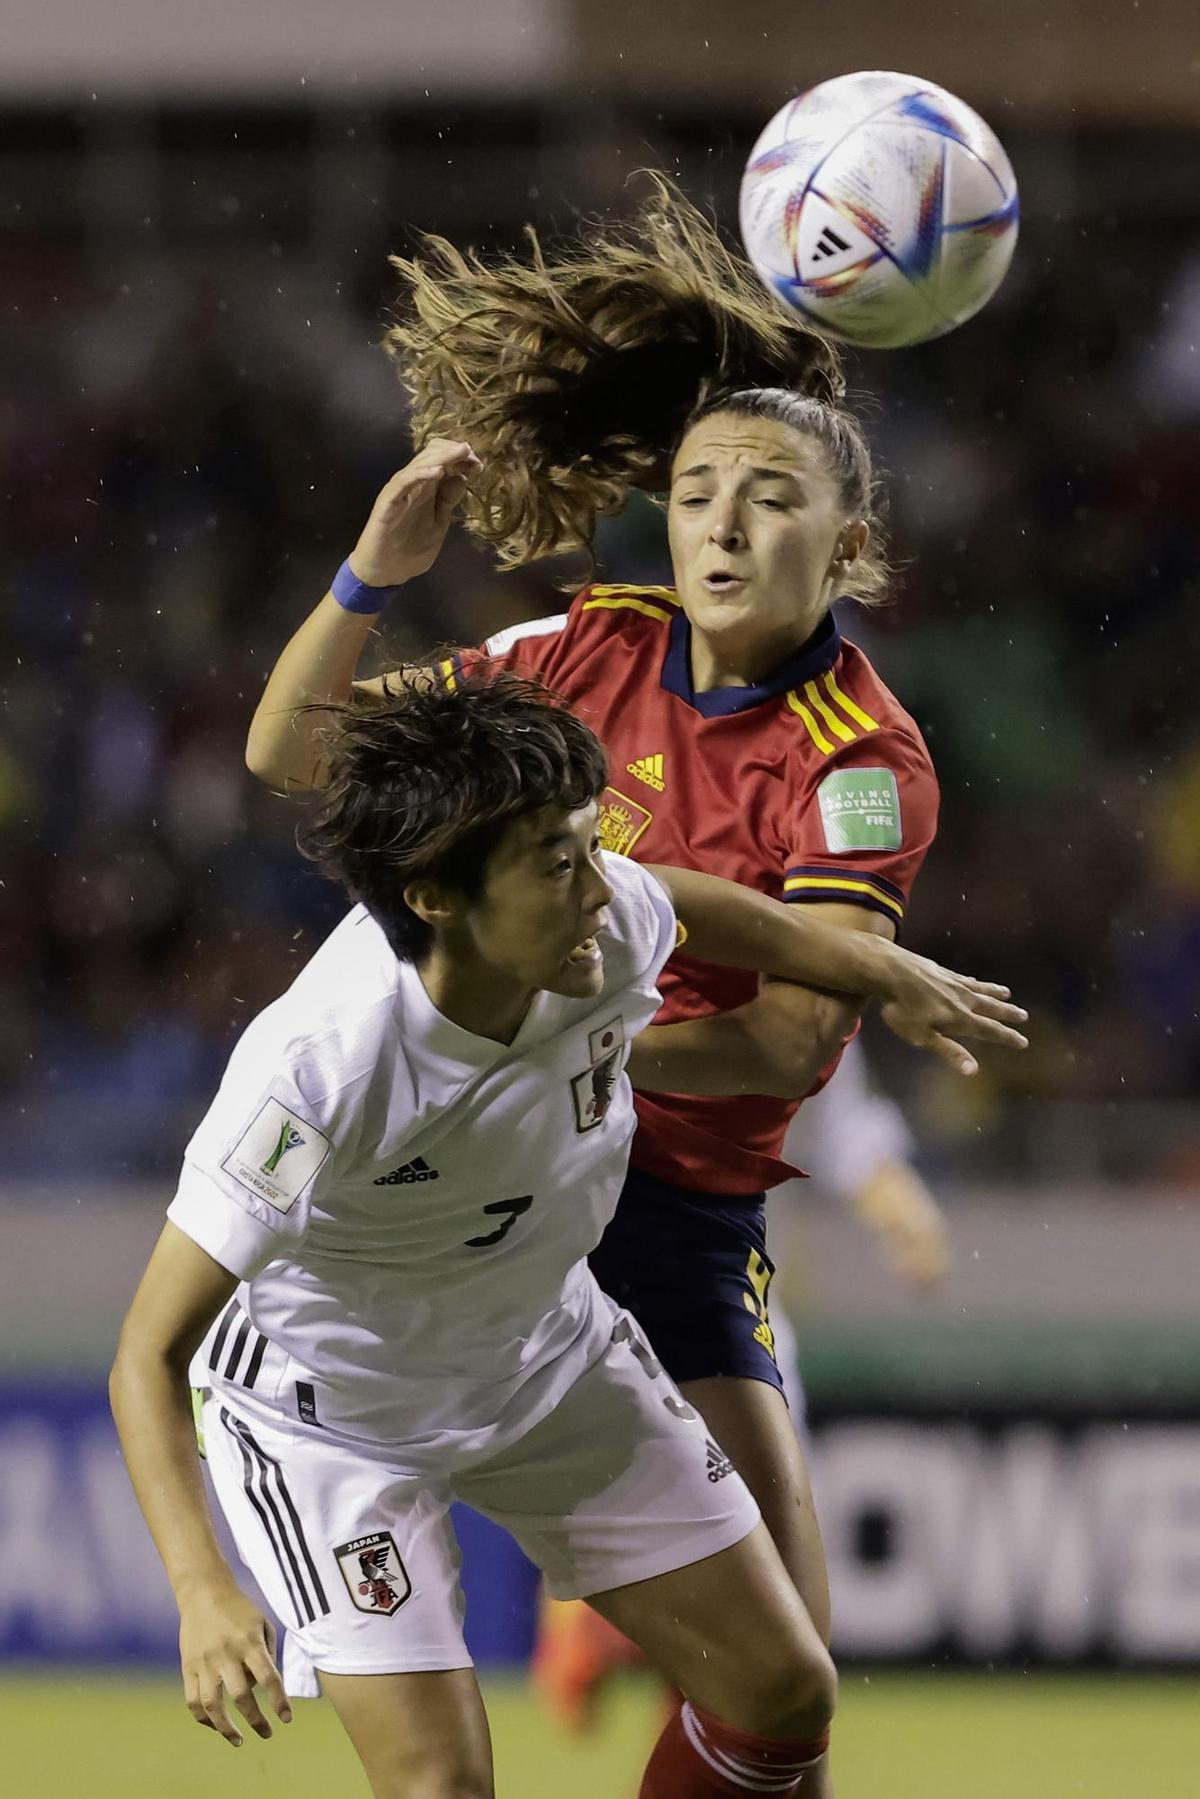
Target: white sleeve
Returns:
[843, 1134]
[655, 931]
[501, 642]
[263, 1151]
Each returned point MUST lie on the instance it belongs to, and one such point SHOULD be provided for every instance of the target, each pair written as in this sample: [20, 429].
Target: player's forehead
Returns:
[535, 835]
[729, 442]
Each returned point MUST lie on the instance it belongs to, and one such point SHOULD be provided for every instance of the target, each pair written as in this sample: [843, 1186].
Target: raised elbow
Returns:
[263, 762]
[791, 1077]
[801, 1050]
[118, 1377]
[140, 1356]
[268, 764]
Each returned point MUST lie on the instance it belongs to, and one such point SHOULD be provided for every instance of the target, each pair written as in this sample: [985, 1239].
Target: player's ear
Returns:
[433, 904]
[850, 546]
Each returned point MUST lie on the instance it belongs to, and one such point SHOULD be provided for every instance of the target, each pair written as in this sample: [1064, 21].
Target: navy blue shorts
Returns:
[694, 1271]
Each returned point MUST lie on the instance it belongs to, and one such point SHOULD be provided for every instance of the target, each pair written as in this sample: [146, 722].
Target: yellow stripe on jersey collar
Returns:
[847, 704]
[814, 730]
[634, 599]
[838, 727]
[808, 664]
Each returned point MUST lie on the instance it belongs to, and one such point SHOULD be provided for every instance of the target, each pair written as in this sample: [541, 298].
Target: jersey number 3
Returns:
[508, 1209]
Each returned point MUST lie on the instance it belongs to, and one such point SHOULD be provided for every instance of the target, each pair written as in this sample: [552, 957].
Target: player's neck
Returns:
[721, 661]
[749, 650]
[475, 997]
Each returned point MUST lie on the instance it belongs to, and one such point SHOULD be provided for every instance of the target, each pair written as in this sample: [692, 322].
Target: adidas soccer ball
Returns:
[880, 208]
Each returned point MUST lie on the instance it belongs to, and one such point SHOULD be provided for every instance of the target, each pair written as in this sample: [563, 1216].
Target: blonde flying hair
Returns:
[574, 375]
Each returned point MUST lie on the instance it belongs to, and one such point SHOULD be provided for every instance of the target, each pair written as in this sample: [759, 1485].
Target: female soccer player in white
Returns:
[747, 737]
[375, 1267]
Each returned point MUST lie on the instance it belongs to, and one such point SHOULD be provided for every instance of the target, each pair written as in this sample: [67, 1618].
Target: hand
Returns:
[410, 519]
[911, 1226]
[226, 1649]
[931, 1007]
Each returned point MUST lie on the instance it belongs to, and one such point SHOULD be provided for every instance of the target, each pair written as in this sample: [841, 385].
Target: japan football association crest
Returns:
[376, 1579]
[593, 1090]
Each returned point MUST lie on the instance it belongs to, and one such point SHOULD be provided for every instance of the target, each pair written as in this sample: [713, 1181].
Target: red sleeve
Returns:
[863, 825]
[542, 647]
[529, 649]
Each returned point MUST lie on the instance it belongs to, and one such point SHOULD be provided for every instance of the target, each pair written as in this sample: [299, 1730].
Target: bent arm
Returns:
[739, 928]
[928, 1006]
[400, 540]
[316, 668]
[778, 1044]
[180, 1294]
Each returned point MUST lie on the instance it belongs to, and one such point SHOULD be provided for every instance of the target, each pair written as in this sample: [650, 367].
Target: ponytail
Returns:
[573, 377]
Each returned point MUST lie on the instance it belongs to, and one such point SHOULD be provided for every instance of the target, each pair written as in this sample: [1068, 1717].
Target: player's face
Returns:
[757, 526]
[543, 902]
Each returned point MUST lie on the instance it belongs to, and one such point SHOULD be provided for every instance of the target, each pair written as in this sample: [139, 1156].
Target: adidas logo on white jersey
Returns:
[408, 1172]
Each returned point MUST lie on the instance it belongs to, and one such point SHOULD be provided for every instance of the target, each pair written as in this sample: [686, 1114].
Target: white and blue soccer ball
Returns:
[880, 208]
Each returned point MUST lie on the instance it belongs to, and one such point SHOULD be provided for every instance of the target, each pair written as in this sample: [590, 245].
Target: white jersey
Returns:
[410, 1206]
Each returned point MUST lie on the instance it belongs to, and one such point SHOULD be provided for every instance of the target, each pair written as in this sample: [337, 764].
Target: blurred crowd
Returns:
[189, 444]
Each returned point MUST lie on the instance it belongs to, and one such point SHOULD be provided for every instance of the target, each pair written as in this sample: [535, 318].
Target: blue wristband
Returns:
[355, 595]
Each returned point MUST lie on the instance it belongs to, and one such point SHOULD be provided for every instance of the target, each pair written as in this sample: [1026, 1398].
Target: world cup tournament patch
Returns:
[860, 810]
[277, 1155]
[376, 1579]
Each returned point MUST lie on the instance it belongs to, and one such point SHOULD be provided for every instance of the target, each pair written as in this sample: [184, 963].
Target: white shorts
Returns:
[358, 1559]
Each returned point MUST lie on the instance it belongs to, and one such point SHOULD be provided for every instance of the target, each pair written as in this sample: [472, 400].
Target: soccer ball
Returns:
[880, 208]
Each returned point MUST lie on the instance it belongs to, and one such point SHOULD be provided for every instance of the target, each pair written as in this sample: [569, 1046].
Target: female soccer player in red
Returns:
[746, 736]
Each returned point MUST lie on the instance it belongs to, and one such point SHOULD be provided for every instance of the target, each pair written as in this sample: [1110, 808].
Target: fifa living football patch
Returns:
[860, 810]
[277, 1155]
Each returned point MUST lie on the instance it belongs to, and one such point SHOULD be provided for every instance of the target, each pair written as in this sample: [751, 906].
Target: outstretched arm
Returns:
[400, 540]
[777, 1043]
[929, 1006]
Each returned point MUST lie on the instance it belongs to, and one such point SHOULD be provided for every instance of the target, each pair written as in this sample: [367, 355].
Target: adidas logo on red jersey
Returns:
[408, 1172]
[648, 769]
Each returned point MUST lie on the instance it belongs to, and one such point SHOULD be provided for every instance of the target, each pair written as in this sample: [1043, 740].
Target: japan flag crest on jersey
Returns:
[592, 1091]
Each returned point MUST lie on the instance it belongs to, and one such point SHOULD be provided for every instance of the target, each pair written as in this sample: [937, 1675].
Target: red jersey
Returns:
[814, 786]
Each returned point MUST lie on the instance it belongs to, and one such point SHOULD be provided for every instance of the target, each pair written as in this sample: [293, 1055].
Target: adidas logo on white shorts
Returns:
[408, 1172]
[719, 1464]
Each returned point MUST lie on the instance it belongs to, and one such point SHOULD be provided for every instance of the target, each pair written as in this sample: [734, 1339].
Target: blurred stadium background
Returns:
[196, 206]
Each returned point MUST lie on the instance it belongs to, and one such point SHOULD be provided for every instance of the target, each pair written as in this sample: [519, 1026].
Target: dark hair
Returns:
[841, 437]
[572, 375]
[425, 779]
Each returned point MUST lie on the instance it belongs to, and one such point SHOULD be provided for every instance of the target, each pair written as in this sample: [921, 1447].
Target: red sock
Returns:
[699, 1757]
